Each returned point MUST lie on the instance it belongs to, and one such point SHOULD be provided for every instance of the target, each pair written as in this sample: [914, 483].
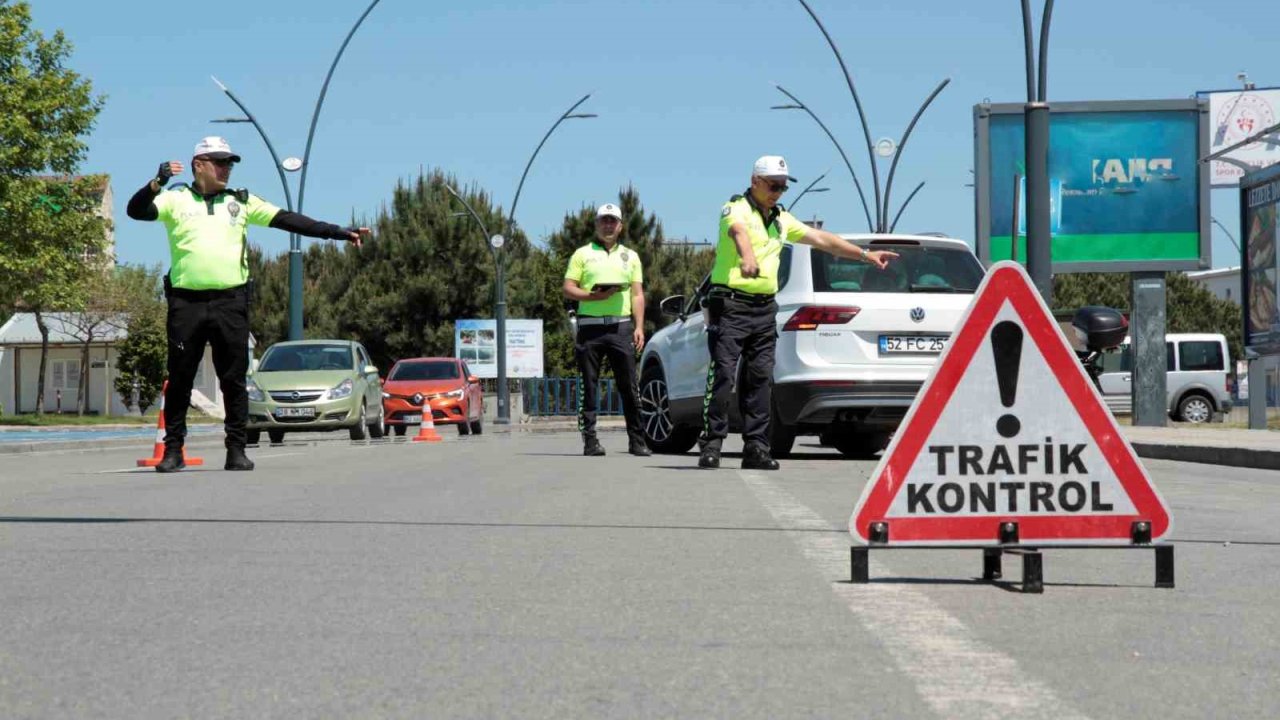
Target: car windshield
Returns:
[918, 268]
[442, 370]
[291, 358]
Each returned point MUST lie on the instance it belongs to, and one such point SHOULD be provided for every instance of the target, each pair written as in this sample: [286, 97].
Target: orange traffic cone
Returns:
[157, 454]
[427, 428]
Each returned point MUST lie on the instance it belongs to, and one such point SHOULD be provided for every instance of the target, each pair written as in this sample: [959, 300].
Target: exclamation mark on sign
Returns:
[1006, 343]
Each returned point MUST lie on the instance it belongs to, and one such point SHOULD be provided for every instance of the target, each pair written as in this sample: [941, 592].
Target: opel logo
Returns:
[917, 314]
[295, 396]
[417, 398]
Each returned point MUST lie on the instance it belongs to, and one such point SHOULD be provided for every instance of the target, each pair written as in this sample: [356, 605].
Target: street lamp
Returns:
[798, 105]
[808, 189]
[1230, 237]
[496, 245]
[291, 164]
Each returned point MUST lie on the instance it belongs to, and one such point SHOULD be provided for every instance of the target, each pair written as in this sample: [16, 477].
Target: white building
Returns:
[1224, 283]
[20, 368]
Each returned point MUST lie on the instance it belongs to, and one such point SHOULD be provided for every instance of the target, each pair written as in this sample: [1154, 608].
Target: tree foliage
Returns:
[45, 108]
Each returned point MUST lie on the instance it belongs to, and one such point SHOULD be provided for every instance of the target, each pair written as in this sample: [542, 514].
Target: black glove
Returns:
[163, 175]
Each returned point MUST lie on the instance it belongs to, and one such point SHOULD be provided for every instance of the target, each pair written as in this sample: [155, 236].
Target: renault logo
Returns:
[417, 398]
[917, 314]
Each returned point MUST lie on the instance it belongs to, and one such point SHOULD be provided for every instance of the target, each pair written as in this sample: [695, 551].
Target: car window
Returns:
[426, 370]
[1200, 355]
[1118, 361]
[364, 357]
[694, 303]
[306, 357]
[784, 266]
[1168, 357]
[917, 269]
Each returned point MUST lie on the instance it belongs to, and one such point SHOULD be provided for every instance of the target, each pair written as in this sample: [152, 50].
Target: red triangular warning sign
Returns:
[1008, 428]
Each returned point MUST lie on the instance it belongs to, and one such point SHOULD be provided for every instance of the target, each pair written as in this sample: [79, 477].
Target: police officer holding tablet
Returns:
[606, 280]
[207, 284]
[742, 324]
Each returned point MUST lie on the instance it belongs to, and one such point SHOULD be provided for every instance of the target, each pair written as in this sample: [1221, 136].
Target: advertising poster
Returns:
[1260, 196]
[476, 342]
[1234, 116]
[1127, 190]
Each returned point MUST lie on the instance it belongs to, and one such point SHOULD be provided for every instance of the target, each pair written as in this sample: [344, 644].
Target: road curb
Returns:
[1233, 457]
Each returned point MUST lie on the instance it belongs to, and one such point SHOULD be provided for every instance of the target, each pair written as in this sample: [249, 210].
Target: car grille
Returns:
[294, 420]
[288, 396]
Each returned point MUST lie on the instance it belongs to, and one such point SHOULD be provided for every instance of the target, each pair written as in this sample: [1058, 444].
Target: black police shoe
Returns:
[172, 461]
[592, 448]
[754, 458]
[237, 460]
[639, 448]
[709, 459]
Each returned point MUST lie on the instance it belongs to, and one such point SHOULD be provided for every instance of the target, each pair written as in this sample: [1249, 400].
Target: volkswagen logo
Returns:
[917, 314]
[295, 396]
[418, 398]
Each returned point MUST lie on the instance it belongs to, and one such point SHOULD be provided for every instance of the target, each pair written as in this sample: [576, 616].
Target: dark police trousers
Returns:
[221, 319]
[739, 332]
[612, 341]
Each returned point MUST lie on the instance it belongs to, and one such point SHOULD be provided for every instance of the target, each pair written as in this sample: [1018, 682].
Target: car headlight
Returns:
[454, 393]
[255, 392]
[386, 395]
[341, 390]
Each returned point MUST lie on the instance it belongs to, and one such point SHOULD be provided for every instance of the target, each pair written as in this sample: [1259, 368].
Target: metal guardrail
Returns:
[546, 397]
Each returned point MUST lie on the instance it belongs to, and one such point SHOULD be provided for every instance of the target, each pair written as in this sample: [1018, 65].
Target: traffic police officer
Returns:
[742, 314]
[207, 284]
[606, 280]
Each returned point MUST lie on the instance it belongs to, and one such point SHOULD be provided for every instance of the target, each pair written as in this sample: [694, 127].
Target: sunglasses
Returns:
[220, 162]
[775, 186]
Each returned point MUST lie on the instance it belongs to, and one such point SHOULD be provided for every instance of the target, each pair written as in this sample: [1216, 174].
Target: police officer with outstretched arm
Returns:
[606, 279]
[742, 324]
[207, 286]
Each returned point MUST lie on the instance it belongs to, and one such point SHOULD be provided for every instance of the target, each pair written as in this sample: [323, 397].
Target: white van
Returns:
[1196, 363]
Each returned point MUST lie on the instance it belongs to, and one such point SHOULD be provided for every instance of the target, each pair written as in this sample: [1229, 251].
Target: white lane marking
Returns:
[957, 674]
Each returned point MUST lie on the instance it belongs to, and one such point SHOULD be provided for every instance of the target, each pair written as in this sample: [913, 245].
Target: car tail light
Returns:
[811, 316]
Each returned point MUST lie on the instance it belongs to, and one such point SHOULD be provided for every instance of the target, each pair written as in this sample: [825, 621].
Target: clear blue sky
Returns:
[682, 87]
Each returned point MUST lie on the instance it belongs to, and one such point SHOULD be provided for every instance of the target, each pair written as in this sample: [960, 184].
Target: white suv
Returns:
[854, 345]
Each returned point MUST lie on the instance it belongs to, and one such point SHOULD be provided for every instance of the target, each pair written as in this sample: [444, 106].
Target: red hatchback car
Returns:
[442, 386]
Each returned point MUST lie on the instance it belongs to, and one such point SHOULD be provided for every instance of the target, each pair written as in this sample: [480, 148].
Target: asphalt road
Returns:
[507, 576]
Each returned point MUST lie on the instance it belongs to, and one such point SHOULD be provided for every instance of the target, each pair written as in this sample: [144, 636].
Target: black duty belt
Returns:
[584, 320]
[201, 295]
[723, 291]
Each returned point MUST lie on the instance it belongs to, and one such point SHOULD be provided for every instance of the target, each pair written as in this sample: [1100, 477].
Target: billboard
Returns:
[476, 343]
[1233, 116]
[1127, 189]
[1260, 266]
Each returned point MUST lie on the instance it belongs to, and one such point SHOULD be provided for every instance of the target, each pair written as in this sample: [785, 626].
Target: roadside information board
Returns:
[1008, 428]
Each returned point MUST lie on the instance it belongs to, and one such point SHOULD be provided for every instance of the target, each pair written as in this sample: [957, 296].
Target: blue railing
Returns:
[544, 397]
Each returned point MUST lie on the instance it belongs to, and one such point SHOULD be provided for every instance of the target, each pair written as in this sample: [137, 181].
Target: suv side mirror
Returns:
[472, 379]
[370, 370]
[673, 306]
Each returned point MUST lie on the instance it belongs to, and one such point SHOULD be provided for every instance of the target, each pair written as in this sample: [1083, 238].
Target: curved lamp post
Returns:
[295, 241]
[808, 189]
[798, 105]
[496, 245]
